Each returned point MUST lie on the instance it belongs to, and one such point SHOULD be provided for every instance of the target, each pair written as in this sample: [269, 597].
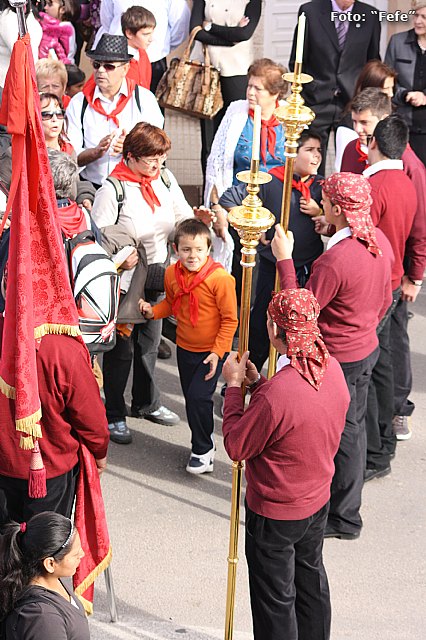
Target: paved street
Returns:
[170, 531]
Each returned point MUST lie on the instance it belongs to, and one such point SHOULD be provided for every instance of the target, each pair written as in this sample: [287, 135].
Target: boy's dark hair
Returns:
[391, 135]
[306, 135]
[136, 18]
[192, 227]
[374, 100]
[75, 75]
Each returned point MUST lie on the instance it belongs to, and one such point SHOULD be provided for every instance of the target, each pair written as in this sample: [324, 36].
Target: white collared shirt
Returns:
[172, 28]
[338, 236]
[97, 126]
[383, 165]
[282, 362]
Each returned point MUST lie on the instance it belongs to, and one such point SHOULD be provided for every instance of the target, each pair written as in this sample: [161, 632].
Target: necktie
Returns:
[341, 33]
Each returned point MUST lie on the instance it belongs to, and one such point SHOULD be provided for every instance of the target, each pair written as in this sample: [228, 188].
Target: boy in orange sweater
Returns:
[201, 295]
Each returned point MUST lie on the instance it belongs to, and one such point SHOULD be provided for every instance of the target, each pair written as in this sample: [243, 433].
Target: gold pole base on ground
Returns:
[294, 117]
[250, 220]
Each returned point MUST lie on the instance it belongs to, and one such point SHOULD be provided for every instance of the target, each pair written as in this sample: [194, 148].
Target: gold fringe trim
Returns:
[90, 579]
[26, 443]
[47, 328]
[29, 425]
[6, 389]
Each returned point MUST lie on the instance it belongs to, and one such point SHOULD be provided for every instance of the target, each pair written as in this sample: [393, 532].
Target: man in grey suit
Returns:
[340, 37]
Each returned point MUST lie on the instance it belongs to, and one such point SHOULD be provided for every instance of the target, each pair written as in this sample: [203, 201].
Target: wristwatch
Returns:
[214, 204]
[207, 26]
[252, 385]
[417, 283]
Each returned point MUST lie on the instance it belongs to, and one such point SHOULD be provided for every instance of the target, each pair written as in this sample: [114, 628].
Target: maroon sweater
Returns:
[415, 249]
[71, 406]
[288, 436]
[393, 210]
[353, 289]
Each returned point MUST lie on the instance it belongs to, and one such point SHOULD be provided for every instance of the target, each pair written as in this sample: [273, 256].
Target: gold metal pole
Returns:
[250, 220]
[294, 117]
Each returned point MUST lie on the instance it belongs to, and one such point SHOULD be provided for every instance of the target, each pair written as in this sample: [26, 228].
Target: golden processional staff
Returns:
[250, 220]
[294, 117]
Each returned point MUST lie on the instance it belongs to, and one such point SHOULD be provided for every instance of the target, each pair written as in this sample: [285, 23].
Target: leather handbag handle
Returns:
[186, 54]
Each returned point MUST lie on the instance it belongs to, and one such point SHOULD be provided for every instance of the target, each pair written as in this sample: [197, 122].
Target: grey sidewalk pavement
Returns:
[170, 531]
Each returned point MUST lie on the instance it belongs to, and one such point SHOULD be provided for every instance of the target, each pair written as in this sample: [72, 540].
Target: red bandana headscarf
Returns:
[185, 289]
[122, 172]
[89, 90]
[268, 136]
[352, 193]
[296, 311]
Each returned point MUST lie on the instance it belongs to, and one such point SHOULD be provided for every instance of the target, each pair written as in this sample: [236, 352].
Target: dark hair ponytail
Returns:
[23, 549]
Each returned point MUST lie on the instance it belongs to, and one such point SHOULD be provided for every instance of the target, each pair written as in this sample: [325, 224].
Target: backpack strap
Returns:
[165, 178]
[119, 193]
[83, 111]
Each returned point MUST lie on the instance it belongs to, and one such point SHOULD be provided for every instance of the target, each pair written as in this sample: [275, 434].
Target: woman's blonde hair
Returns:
[46, 67]
[418, 4]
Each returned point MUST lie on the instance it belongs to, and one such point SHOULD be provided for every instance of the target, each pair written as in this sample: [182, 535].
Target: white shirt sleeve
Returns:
[74, 130]
[105, 206]
[179, 16]
[106, 14]
[150, 111]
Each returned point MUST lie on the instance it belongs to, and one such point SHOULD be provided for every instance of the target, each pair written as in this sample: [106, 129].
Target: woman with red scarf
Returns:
[153, 204]
[53, 121]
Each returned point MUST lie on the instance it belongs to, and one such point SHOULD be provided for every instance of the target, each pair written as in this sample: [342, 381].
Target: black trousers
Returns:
[418, 144]
[349, 462]
[158, 68]
[15, 503]
[198, 395]
[401, 360]
[142, 348]
[380, 439]
[290, 598]
[258, 339]
[233, 88]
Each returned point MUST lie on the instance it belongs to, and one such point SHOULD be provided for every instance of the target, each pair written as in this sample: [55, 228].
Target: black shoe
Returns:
[370, 474]
[333, 533]
[164, 351]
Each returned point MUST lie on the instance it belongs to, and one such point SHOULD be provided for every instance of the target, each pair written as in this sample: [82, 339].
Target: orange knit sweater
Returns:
[217, 308]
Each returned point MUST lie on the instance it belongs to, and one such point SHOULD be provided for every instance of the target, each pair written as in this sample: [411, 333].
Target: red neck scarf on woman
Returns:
[71, 220]
[185, 289]
[89, 91]
[268, 136]
[362, 156]
[122, 172]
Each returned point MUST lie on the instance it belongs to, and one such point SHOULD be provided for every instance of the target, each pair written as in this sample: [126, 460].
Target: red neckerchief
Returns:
[303, 187]
[268, 135]
[71, 219]
[184, 289]
[300, 185]
[89, 90]
[122, 172]
[66, 147]
[362, 157]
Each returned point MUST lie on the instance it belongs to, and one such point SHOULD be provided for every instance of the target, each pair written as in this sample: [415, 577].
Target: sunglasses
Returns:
[48, 115]
[108, 66]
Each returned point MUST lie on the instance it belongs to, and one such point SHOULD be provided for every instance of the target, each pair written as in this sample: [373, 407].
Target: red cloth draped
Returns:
[185, 289]
[66, 147]
[72, 220]
[352, 192]
[89, 90]
[122, 172]
[141, 70]
[362, 156]
[296, 311]
[268, 136]
[91, 524]
[38, 297]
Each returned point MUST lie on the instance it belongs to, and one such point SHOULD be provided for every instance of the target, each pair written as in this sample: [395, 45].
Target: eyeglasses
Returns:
[108, 66]
[157, 160]
[48, 115]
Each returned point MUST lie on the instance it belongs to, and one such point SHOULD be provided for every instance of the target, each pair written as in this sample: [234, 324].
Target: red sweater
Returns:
[415, 249]
[353, 289]
[393, 210]
[288, 436]
[72, 408]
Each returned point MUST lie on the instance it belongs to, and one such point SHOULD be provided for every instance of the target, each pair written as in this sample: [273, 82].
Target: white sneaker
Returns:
[201, 463]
